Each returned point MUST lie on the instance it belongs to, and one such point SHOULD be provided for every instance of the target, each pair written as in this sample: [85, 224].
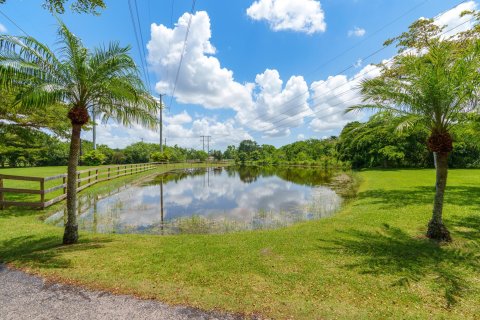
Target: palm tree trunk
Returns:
[71, 227]
[436, 228]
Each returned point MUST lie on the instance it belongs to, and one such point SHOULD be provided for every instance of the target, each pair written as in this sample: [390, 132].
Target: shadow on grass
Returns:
[467, 227]
[12, 212]
[42, 252]
[391, 251]
[456, 195]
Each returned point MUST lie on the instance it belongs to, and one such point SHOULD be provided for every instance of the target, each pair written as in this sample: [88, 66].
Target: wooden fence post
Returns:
[96, 175]
[78, 180]
[42, 191]
[89, 176]
[108, 174]
[1, 195]
[64, 186]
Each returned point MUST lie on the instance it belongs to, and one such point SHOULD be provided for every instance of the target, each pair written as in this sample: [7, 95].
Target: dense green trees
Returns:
[377, 144]
[75, 78]
[431, 84]
[308, 152]
[23, 146]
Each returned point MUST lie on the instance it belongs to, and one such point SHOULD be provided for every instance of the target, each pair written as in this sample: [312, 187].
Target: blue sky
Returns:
[265, 69]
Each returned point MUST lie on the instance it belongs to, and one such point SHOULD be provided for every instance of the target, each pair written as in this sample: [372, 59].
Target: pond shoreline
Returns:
[216, 199]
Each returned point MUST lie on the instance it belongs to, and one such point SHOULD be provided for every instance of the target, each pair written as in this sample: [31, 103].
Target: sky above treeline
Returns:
[275, 71]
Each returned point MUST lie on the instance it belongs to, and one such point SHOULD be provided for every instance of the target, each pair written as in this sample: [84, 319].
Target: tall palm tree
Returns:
[77, 77]
[433, 83]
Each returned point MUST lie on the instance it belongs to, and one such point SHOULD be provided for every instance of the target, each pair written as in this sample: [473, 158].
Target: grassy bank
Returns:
[370, 261]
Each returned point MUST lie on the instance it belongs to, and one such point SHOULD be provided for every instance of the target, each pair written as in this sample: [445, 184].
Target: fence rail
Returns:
[85, 179]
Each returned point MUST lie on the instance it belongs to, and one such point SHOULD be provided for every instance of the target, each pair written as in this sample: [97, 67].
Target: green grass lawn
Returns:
[370, 261]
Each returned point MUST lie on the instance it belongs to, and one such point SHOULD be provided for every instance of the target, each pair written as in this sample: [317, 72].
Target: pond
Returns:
[213, 200]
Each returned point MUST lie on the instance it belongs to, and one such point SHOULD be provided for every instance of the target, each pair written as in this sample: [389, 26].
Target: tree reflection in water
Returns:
[213, 200]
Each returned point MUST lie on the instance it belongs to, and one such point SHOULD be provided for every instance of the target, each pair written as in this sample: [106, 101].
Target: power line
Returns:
[331, 90]
[143, 47]
[370, 35]
[341, 111]
[347, 83]
[139, 44]
[387, 61]
[352, 65]
[183, 52]
[312, 113]
[14, 23]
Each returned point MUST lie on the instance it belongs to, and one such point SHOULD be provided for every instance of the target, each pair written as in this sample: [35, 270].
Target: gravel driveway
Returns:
[24, 296]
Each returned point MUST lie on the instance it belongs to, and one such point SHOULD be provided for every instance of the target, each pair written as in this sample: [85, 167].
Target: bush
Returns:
[160, 156]
[93, 158]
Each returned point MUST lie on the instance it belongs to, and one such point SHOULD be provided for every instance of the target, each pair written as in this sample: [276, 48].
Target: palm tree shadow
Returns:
[391, 251]
[468, 227]
[44, 252]
[456, 195]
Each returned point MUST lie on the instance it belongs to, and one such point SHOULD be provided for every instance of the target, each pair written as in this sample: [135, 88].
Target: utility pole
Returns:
[161, 123]
[208, 143]
[161, 206]
[94, 129]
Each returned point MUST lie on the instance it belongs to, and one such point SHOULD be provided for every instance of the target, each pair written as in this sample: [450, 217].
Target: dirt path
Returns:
[24, 296]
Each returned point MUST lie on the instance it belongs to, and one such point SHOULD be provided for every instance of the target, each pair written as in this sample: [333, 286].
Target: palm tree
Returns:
[432, 82]
[77, 77]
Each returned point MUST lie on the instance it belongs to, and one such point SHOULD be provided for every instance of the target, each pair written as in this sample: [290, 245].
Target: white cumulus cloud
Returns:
[357, 32]
[276, 108]
[178, 129]
[296, 15]
[202, 80]
[179, 118]
[3, 29]
[222, 133]
[332, 96]
[452, 20]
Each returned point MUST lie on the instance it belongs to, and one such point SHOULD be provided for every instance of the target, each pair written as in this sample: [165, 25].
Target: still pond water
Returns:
[213, 200]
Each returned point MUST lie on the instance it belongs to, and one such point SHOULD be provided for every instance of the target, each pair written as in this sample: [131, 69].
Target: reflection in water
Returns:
[214, 200]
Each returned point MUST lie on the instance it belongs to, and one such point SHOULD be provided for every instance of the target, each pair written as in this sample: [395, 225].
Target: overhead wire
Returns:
[139, 42]
[291, 100]
[143, 46]
[346, 83]
[347, 91]
[170, 43]
[183, 52]
[14, 23]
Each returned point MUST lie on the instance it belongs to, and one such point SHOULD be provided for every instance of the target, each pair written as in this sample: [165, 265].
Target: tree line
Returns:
[426, 95]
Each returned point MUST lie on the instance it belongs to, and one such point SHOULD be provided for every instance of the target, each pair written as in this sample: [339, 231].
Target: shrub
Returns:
[93, 158]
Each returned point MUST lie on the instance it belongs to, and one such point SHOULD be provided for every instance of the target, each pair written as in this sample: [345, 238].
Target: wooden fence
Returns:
[57, 185]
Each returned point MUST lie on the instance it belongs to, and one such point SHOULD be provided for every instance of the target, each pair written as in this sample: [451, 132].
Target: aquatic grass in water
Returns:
[218, 200]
